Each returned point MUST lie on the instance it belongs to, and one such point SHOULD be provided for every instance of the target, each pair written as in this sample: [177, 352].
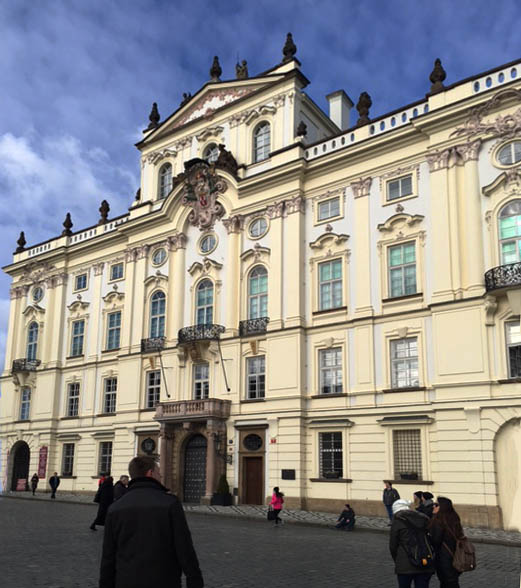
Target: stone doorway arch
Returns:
[507, 446]
[20, 457]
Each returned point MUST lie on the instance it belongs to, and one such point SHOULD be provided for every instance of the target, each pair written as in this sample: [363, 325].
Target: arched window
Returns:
[165, 180]
[211, 153]
[204, 303]
[157, 315]
[258, 293]
[261, 142]
[510, 232]
[32, 340]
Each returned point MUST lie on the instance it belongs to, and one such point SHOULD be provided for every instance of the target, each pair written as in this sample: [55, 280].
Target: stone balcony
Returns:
[503, 277]
[193, 410]
[25, 365]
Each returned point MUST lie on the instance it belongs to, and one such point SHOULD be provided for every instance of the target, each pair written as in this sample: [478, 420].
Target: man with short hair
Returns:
[147, 541]
[54, 482]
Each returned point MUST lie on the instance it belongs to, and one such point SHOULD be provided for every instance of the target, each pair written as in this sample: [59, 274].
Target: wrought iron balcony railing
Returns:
[503, 276]
[25, 365]
[253, 326]
[184, 410]
[152, 344]
[207, 332]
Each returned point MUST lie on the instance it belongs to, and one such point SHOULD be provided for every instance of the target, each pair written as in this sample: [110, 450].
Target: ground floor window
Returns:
[105, 458]
[331, 455]
[67, 459]
[407, 454]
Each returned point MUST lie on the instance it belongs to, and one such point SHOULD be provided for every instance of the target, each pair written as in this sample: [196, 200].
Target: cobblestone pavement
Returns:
[378, 524]
[47, 544]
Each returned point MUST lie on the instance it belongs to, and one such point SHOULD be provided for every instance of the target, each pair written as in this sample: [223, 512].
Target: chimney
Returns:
[339, 106]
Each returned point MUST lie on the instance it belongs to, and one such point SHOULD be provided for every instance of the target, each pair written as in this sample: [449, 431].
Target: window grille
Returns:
[109, 400]
[153, 388]
[105, 458]
[330, 361]
[201, 381]
[407, 454]
[331, 455]
[256, 368]
[73, 399]
[68, 459]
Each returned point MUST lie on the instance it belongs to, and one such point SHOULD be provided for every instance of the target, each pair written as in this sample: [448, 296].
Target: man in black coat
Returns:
[147, 541]
[54, 482]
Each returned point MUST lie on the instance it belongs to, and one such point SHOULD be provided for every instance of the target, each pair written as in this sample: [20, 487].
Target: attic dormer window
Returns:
[211, 153]
[261, 142]
[165, 180]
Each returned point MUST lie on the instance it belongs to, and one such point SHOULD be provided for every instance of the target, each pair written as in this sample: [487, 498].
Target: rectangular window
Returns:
[25, 404]
[331, 456]
[330, 361]
[109, 395]
[105, 458]
[80, 282]
[201, 381]
[407, 455]
[256, 367]
[513, 335]
[399, 188]
[404, 363]
[73, 399]
[113, 330]
[67, 459]
[402, 270]
[116, 271]
[153, 388]
[328, 209]
[330, 284]
[78, 331]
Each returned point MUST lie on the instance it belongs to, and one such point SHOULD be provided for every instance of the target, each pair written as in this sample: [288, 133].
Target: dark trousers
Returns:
[277, 518]
[420, 580]
[452, 582]
[347, 525]
[389, 508]
[53, 495]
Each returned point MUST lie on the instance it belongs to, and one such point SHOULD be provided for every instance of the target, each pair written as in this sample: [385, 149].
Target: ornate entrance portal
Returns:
[195, 469]
[20, 458]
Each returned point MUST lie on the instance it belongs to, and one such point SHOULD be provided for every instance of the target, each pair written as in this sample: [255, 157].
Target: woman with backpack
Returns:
[445, 530]
[277, 500]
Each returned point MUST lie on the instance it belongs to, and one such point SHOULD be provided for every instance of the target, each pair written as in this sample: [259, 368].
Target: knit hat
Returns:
[399, 505]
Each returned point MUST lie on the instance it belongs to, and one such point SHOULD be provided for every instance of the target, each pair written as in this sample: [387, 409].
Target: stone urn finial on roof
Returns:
[437, 76]
[104, 212]
[363, 106]
[241, 70]
[289, 50]
[21, 243]
[153, 117]
[67, 223]
[215, 70]
[302, 129]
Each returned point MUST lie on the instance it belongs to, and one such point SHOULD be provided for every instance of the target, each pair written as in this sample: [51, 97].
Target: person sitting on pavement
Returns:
[346, 520]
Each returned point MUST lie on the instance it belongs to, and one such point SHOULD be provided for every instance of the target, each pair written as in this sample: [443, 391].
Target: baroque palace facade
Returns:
[294, 299]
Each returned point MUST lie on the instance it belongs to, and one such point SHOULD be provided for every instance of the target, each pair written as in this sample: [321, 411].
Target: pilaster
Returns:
[275, 285]
[176, 284]
[234, 227]
[294, 266]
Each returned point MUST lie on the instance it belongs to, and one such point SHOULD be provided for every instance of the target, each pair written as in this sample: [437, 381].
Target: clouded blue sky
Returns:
[78, 79]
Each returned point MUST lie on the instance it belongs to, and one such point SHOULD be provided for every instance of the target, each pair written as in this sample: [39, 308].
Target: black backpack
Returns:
[419, 549]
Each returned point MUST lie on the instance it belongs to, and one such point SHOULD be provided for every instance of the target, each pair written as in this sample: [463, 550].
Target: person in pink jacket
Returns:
[277, 500]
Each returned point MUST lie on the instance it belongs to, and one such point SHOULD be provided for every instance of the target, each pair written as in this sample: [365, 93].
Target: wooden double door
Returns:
[253, 480]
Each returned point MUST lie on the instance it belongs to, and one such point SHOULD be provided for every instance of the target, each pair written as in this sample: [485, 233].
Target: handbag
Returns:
[464, 556]
[272, 515]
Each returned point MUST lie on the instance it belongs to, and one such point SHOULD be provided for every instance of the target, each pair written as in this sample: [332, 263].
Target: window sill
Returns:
[22, 421]
[80, 356]
[110, 350]
[251, 400]
[401, 199]
[402, 298]
[332, 480]
[509, 380]
[148, 409]
[325, 221]
[67, 477]
[329, 395]
[412, 482]
[69, 418]
[106, 414]
[405, 389]
[329, 310]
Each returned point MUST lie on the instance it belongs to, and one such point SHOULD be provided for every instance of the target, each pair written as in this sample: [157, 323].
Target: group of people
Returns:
[423, 538]
[54, 482]
[107, 493]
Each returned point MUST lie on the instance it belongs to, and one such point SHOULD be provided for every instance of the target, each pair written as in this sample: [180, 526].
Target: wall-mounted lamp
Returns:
[220, 448]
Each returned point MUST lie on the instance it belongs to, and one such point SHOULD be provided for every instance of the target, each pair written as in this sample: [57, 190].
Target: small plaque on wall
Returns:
[288, 474]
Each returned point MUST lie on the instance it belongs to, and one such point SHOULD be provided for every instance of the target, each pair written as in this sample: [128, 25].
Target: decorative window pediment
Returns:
[263, 110]
[157, 279]
[509, 180]
[207, 267]
[328, 239]
[113, 296]
[399, 221]
[209, 132]
[33, 311]
[257, 253]
[78, 305]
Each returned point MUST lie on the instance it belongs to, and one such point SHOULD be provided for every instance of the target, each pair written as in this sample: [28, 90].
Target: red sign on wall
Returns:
[21, 484]
[42, 462]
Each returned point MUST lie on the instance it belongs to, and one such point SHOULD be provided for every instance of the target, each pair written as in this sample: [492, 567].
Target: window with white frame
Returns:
[399, 188]
[157, 314]
[407, 454]
[331, 460]
[402, 270]
[105, 458]
[256, 374]
[204, 303]
[80, 282]
[261, 142]
[328, 209]
[113, 330]
[330, 284]
[116, 271]
[404, 363]
[201, 381]
[513, 337]
[258, 292]
[153, 388]
[211, 153]
[330, 366]
[73, 399]
[165, 181]
[25, 404]
[510, 154]
[510, 232]
[159, 257]
[110, 387]
[67, 459]
[207, 243]
[32, 341]
[77, 337]
[258, 228]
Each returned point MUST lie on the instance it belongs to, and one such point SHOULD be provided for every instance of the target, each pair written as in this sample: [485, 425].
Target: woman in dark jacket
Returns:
[106, 498]
[445, 528]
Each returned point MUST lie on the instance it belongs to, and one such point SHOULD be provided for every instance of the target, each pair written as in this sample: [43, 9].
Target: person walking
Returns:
[34, 483]
[147, 541]
[277, 500]
[346, 520]
[120, 487]
[409, 546]
[390, 496]
[106, 498]
[445, 529]
[54, 482]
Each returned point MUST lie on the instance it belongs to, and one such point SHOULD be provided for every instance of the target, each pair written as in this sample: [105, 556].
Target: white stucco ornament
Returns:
[202, 187]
